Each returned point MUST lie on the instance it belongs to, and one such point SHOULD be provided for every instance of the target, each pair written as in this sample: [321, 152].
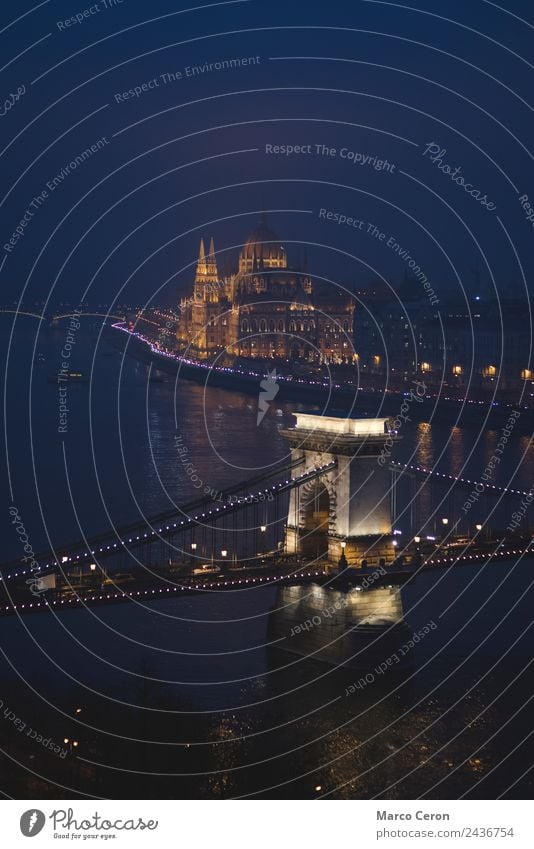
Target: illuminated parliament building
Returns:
[265, 309]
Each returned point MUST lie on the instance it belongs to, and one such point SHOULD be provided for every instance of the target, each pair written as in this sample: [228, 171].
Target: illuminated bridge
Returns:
[332, 511]
[427, 501]
[201, 529]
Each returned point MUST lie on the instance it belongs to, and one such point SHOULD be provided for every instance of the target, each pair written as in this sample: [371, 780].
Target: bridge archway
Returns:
[315, 518]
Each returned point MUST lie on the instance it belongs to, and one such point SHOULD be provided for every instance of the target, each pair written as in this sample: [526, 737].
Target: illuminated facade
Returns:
[347, 510]
[265, 309]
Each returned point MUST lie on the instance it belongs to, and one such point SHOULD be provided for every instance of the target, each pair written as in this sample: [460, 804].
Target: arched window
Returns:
[281, 326]
[244, 326]
[345, 325]
[254, 325]
[292, 326]
[263, 325]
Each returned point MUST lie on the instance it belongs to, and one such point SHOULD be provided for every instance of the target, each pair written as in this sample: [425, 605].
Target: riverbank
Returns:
[331, 396]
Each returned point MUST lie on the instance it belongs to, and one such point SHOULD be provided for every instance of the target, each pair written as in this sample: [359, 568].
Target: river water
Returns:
[186, 698]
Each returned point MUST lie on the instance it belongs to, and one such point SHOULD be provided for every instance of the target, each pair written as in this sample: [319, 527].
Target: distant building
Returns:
[265, 309]
[480, 344]
[483, 346]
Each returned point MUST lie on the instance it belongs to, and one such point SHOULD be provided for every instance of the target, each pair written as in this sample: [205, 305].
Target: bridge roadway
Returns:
[147, 532]
[146, 586]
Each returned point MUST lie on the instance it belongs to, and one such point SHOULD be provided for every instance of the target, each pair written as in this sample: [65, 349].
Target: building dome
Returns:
[262, 250]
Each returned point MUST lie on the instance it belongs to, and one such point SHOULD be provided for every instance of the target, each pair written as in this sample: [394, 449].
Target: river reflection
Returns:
[226, 714]
[121, 449]
[193, 698]
[358, 629]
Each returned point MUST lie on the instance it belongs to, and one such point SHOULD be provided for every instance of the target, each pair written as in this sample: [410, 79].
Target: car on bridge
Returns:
[117, 578]
[206, 569]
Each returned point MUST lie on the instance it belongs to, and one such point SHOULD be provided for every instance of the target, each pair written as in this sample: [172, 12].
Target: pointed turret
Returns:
[206, 265]
[201, 262]
[211, 262]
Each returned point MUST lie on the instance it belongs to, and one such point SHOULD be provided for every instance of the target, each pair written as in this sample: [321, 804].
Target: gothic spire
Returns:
[211, 263]
[201, 262]
[207, 264]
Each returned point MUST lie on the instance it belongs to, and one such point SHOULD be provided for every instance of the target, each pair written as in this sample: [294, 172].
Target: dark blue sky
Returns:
[189, 159]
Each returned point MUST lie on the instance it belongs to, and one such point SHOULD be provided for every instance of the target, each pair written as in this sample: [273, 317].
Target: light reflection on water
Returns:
[438, 726]
[136, 466]
[355, 745]
[424, 455]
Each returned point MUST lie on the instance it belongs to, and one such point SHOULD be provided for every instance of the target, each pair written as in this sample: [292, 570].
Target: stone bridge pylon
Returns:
[348, 509]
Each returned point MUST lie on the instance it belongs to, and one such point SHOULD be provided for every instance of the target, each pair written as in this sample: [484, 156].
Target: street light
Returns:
[92, 567]
[417, 540]
[193, 549]
[343, 545]
[445, 521]
[478, 527]
[224, 552]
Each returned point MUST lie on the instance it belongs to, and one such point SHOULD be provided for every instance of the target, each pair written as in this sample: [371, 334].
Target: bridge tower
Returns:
[348, 509]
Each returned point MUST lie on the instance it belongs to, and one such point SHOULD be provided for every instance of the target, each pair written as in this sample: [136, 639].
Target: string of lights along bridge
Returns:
[465, 482]
[334, 508]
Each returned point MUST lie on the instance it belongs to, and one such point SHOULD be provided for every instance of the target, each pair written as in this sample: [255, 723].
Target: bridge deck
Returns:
[152, 529]
[149, 586]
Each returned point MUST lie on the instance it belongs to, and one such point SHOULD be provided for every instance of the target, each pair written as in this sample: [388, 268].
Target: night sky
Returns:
[187, 157]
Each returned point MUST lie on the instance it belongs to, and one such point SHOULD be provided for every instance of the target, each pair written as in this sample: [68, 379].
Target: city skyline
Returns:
[267, 421]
